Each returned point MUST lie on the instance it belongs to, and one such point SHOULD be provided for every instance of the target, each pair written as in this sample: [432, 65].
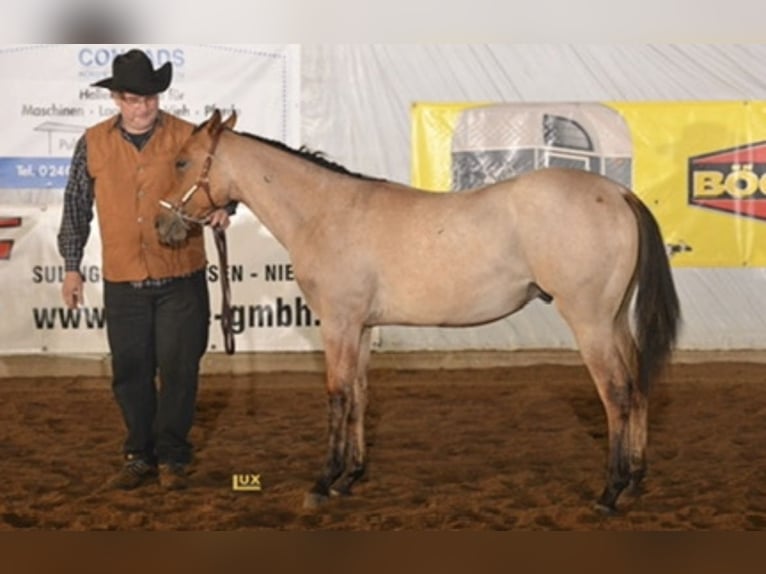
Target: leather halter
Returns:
[202, 183]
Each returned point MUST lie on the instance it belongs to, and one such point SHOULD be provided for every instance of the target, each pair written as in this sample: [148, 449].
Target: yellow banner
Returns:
[699, 166]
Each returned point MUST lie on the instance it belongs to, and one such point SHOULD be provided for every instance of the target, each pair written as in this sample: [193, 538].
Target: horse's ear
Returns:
[214, 123]
[230, 121]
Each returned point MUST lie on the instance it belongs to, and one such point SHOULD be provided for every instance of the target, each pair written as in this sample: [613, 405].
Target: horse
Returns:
[369, 252]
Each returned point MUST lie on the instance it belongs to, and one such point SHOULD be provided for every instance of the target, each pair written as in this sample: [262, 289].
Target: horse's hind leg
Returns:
[637, 429]
[602, 356]
[639, 405]
[355, 455]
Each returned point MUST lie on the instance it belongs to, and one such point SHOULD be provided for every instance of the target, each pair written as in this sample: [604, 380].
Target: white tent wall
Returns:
[356, 102]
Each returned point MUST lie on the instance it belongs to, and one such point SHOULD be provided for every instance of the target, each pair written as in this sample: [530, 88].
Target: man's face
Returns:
[138, 112]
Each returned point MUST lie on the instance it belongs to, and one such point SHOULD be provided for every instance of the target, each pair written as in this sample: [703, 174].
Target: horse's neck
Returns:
[283, 190]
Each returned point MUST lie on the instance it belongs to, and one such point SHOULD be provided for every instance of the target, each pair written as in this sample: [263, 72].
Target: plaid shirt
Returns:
[78, 209]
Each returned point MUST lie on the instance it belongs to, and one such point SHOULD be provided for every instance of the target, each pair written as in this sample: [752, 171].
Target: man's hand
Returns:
[71, 289]
[219, 218]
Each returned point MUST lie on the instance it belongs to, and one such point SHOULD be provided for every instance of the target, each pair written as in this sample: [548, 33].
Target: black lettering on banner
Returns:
[49, 318]
[55, 273]
[281, 314]
[279, 272]
[236, 273]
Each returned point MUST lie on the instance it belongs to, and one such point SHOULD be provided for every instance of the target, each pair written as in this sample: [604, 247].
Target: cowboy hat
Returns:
[132, 72]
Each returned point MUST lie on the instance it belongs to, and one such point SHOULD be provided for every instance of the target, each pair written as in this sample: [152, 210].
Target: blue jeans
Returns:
[157, 331]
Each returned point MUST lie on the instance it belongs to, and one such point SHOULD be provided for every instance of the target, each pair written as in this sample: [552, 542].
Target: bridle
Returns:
[203, 183]
[219, 234]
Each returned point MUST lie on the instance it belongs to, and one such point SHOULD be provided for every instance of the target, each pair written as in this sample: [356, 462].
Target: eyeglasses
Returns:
[134, 101]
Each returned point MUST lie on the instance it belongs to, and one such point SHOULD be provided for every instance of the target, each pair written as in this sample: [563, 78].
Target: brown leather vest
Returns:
[128, 186]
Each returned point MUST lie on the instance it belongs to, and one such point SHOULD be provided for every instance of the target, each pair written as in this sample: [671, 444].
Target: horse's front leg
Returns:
[341, 358]
[338, 405]
[355, 457]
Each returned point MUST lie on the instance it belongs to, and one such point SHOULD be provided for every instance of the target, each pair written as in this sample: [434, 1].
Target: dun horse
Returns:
[369, 252]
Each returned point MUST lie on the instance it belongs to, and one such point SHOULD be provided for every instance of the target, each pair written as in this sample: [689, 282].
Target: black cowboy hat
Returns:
[132, 72]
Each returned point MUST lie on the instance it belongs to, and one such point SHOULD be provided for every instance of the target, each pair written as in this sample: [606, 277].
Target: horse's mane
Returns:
[313, 156]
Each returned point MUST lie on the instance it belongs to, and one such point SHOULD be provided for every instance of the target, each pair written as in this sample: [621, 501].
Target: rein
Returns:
[219, 234]
[227, 319]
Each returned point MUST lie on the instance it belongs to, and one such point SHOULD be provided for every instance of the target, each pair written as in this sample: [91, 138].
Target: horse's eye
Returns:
[181, 164]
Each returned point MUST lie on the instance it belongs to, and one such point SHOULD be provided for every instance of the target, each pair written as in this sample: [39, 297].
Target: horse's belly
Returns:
[454, 303]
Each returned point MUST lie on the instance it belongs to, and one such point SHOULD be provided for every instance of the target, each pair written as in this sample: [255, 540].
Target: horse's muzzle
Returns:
[171, 228]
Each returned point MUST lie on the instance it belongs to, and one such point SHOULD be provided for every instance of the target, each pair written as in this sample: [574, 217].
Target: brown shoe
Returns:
[173, 476]
[134, 473]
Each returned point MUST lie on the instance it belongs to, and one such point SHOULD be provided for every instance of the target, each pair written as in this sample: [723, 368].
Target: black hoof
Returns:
[605, 509]
[343, 485]
[342, 490]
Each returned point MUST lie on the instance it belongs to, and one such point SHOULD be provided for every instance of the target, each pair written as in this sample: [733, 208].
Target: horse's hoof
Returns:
[313, 500]
[605, 509]
[340, 491]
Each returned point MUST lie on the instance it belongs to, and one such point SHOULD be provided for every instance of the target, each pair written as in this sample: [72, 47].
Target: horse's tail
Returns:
[657, 311]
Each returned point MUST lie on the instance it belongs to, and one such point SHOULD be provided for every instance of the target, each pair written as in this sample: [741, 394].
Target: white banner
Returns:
[45, 105]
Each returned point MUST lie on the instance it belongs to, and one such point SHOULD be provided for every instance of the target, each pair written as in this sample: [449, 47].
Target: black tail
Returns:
[657, 311]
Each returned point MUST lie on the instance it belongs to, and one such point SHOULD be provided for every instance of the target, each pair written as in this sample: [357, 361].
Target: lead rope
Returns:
[219, 233]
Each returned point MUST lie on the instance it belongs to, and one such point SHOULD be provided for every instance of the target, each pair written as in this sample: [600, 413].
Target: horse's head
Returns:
[199, 188]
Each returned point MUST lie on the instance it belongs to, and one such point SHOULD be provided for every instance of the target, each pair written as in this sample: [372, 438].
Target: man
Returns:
[155, 297]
